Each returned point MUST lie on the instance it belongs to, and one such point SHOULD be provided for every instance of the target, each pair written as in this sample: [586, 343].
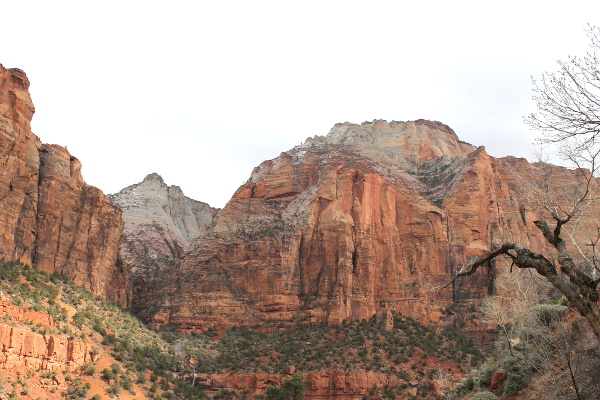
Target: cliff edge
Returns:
[49, 217]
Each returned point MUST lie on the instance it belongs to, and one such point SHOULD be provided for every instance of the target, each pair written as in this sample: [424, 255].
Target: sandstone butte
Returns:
[370, 218]
[160, 223]
[49, 217]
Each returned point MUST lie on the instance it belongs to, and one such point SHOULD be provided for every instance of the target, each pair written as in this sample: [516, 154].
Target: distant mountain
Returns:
[160, 223]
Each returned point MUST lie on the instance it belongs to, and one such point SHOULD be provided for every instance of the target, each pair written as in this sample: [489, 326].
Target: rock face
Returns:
[22, 349]
[372, 217]
[339, 385]
[160, 222]
[49, 217]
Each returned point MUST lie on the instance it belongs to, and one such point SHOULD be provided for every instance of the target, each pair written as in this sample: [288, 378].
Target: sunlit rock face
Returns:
[49, 217]
[160, 223]
[372, 217]
[22, 349]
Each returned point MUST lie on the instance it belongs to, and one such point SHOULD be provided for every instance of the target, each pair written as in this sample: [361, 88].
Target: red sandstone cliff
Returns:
[321, 385]
[371, 217]
[21, 349]
[49, 217]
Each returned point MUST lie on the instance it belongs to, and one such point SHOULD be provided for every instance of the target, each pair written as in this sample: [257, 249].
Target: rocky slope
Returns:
[58, 341]
[49, 217]
[160, 223]
[370, 217]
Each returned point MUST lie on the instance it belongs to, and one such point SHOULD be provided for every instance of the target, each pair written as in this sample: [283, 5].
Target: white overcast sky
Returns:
[202, 91]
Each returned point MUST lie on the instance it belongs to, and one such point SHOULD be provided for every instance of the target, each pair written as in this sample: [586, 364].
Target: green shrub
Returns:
[89, 368]
[485, 396]
[461, 389]
[548, 314]
[293, 389]
[10, 270]
[516, 375]
[483, 376]
[114, 389]
[108, 375]
[78, 391]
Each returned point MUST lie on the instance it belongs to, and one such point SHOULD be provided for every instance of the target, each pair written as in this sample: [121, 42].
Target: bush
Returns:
[89, 368]
[548, 314]
[483, 376]
[10, 270]
[516, 375]
[461, 389]
[78, 391]
[485, 396]
[293, 389]
[114, 389]
[108, 375]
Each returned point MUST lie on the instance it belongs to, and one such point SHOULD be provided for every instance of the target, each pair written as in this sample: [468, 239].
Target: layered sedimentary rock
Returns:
[339, 385]
[160, 223]
[49, 217]
[21, 349]
[369, 218]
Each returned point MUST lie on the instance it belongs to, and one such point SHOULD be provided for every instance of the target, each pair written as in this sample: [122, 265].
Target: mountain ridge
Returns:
[336, 230]
[159, 224]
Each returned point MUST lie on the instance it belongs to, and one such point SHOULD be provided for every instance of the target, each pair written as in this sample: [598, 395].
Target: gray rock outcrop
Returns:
[160, 223]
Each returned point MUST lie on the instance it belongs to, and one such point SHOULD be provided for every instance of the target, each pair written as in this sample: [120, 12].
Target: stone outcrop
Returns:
[20, 315]
[160, 223]
[49, 217]
[22, 349]
[369, 218]
[339, 385]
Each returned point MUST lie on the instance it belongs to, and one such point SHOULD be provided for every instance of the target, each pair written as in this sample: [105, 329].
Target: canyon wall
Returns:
[49, 217]
[320, 385]
[371, 217]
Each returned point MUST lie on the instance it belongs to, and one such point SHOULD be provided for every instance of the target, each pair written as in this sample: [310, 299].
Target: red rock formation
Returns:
[371, 217]
[25, 350]
[22, 349]
[339, 385]
[49, 217]
[19, 314]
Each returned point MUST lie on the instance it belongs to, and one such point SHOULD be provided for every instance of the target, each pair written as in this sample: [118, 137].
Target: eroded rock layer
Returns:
[160, 222]
[22, 349]
[371, 217]
[321, 385]
[49, 217]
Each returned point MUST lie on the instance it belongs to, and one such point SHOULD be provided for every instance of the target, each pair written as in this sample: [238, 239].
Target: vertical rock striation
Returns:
[49, 217]
[372, 217]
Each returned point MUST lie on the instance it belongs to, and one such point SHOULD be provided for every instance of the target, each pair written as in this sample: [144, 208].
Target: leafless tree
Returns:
[568, 103]
[507, 313]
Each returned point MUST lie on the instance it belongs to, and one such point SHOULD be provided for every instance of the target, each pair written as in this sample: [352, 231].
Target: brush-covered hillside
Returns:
[58, 341]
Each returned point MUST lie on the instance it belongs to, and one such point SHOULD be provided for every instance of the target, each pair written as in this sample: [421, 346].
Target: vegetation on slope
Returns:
[131, 361]
[547, 352]
[137, 357]
[357, 345]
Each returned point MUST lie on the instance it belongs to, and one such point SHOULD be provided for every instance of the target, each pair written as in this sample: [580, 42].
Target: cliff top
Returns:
[397, 143]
